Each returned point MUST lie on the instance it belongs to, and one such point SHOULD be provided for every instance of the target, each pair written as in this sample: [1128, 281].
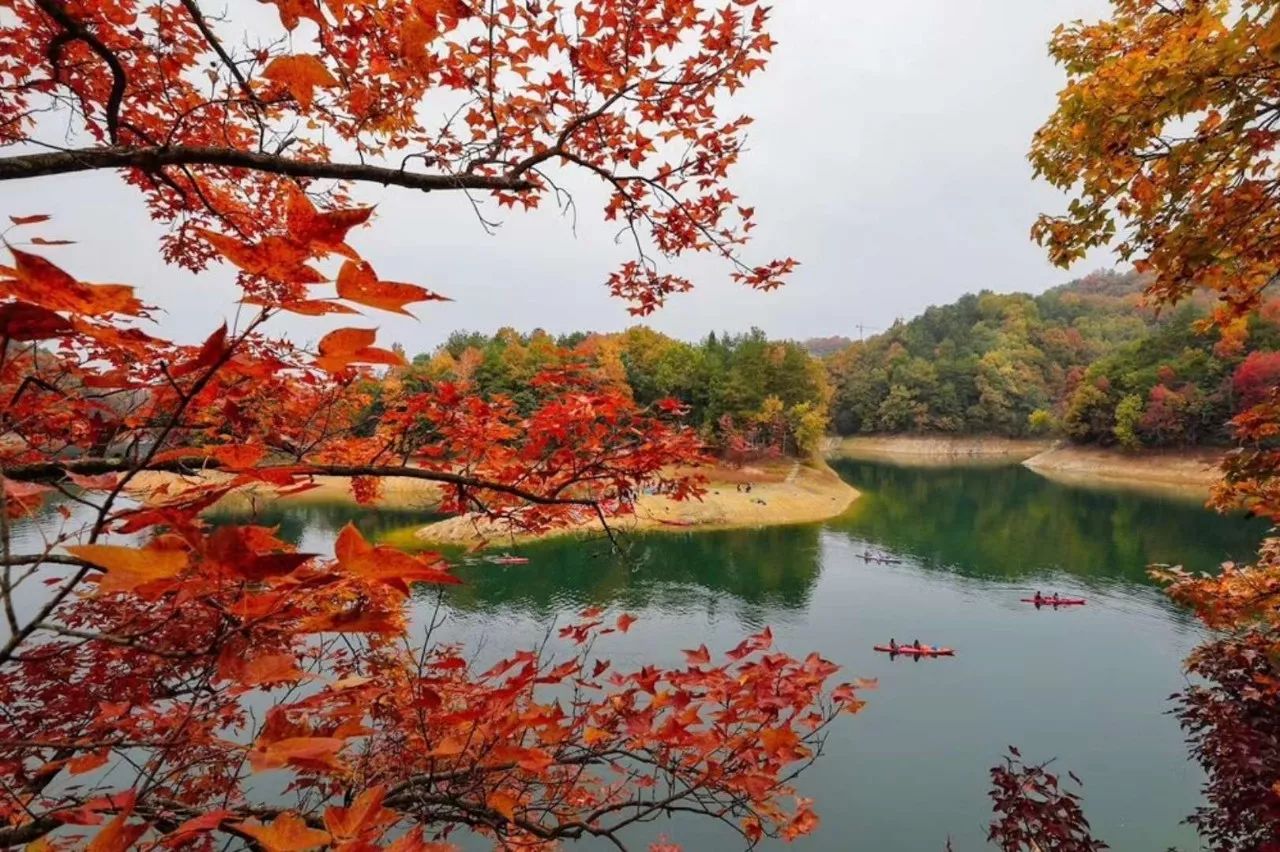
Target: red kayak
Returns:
[913, 651]
[1052, 602]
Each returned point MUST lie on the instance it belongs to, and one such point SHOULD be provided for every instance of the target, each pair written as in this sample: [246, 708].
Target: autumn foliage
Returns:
[154, 670]
[1166, 135]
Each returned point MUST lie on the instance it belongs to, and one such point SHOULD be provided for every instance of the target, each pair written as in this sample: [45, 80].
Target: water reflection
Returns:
[1088, 686]
[297, 520]
[1010, 523]
[769, 568]
[996, 523]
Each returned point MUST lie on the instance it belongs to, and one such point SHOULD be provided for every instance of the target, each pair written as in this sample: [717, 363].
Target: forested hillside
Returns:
[745, 393]
[1086, 360]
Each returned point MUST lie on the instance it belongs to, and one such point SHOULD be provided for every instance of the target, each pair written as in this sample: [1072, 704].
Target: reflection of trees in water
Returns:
[294, 518]
[768, 568]
[773, 568]
[1009, 522]
[1001, 522]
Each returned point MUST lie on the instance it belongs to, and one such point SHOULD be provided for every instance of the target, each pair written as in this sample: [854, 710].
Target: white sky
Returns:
[888, 156]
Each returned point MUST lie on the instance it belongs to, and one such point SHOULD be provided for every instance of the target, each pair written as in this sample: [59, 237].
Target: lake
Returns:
[1088, 686]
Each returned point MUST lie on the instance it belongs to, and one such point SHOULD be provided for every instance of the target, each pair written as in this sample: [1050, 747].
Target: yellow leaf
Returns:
[128, 567]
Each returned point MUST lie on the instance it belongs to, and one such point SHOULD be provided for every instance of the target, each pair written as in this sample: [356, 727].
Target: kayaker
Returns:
[893, 646]
[916, 644]
[1055, 599]
[1039, 598]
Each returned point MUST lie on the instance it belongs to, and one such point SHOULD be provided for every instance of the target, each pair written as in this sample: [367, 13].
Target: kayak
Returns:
[1052, 602]
[910, 650]
[510, 560]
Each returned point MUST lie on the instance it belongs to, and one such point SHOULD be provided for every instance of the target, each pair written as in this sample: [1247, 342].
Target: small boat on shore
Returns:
[508, 559]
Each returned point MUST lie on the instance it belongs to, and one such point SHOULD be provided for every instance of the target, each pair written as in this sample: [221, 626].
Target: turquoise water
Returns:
[1088, 686]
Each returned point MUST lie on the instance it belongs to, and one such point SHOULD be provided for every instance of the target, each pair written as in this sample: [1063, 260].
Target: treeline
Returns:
[746, 394]
[1085, 360]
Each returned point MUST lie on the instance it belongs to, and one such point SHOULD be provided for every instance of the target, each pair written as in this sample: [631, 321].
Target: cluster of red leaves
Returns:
[1166, 136]
[166, 640]
[1232, 719]
[1034, 812]
[628, 93]
[140, 645]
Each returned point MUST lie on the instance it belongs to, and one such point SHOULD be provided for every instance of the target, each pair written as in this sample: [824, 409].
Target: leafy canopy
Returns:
[151, 666]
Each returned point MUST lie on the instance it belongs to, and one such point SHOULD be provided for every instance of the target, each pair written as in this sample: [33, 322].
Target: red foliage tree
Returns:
[1165, 136]
[1257, 379]
[1232, 719]
[136, 640]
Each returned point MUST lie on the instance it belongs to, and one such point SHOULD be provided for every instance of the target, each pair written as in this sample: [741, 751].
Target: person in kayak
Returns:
[916, 644]
[893, 646]
[1039, 598]
[1055, 599]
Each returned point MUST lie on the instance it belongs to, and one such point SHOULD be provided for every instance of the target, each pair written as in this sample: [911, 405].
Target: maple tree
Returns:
[137, 641]
[1166, 136]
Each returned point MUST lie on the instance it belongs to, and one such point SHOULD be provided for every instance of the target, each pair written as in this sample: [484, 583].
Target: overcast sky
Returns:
[888, 156]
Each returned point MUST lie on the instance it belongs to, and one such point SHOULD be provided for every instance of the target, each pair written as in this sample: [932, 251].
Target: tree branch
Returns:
[203, 25]
[76, 30]
[151, 158]
[43, 471]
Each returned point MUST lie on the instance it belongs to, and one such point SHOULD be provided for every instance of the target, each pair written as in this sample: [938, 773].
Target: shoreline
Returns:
[1189, 471]
[781, 494]
[397, 493]
[936, 450]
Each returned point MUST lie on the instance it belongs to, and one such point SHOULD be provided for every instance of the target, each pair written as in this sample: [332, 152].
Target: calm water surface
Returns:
[1088, 686]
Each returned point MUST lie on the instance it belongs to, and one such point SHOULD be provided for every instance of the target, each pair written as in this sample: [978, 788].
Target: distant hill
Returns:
[1086, 359]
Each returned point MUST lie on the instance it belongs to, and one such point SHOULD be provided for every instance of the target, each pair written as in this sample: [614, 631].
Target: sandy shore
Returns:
[1188, 472]
[781, 493]
[151, 486]
[935, 450]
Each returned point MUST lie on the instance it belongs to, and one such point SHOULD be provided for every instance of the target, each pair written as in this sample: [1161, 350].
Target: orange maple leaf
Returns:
[358, 283]
[127, 568]
[346, 346]
[503, 803]
[387, 565]
[286, 833]
[119, 834]
[365, 812]
[300, 75]
[303, 752]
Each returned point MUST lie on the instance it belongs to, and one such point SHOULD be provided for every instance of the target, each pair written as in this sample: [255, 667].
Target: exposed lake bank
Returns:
[1186, 470]
[780, 493]
[934, 450]
[1189, 472]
